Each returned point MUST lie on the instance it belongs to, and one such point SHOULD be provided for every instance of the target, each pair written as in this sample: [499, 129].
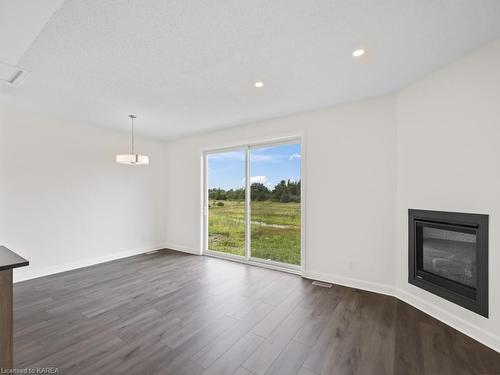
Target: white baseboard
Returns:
[28, 273]
[352, 283]
[461, 325]
[184, 249]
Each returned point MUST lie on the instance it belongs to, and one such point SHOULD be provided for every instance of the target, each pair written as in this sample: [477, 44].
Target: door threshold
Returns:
[296, 270]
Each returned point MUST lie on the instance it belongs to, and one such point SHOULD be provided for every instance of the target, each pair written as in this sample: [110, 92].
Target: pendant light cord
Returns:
[133, 136]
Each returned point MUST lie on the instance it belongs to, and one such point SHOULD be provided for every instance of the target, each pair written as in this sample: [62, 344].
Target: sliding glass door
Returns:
[226, 175]
[253, 203]
[275, 203]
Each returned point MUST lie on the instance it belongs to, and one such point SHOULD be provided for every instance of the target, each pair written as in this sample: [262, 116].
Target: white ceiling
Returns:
[189, 66]
[20, 24]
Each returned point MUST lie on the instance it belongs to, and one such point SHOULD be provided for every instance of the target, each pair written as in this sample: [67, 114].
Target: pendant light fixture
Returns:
[132, 158]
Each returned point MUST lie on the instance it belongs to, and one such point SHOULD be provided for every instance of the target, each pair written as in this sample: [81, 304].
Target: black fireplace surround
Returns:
[448, 256]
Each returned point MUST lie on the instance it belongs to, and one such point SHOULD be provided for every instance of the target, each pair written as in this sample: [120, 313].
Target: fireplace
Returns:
[448, 256]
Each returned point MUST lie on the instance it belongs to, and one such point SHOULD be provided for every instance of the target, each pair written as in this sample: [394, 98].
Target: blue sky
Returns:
[268, 165]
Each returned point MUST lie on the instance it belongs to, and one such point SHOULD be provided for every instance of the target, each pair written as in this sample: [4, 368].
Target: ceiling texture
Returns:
[188, 66]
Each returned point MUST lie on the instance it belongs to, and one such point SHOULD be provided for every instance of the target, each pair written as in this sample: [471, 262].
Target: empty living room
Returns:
[305, 187]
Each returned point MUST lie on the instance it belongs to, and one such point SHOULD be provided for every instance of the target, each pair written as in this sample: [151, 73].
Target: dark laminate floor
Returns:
[172, 313]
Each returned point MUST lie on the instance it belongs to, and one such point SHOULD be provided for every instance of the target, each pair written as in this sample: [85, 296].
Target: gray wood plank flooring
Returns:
[174, 313]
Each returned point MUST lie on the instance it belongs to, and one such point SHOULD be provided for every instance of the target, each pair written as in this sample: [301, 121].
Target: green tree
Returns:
[285, 198]
[279, 190]
[220, 194]
[259, 191]
[262, 196]
[241, 194]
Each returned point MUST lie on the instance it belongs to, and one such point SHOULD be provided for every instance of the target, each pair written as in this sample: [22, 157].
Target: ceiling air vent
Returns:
[12, 75]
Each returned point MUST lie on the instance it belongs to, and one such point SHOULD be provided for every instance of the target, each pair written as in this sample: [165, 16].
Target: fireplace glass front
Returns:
[450, 253]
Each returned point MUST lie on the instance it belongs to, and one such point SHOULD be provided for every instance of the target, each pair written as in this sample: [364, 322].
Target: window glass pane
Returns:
[226, 202]
[275, 203]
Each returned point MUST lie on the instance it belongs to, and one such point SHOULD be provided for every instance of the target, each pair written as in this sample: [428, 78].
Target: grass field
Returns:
[275, 229]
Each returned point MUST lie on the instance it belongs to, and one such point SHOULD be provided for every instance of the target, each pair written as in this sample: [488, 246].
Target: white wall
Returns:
[65, 203]
[442, 132]
[449, 159]
[350, 189]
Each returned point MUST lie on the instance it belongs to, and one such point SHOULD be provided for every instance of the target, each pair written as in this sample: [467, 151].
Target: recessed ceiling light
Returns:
[259, 84]
[358, 53]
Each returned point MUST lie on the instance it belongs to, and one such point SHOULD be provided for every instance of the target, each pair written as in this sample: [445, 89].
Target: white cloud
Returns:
[294, 156]
[258, 179]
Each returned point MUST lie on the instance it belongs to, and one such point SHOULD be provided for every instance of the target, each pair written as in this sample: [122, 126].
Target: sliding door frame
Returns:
[247, 146]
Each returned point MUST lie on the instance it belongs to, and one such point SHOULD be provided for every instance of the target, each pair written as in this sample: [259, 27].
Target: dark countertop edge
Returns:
[10, 260]
[16, 265]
